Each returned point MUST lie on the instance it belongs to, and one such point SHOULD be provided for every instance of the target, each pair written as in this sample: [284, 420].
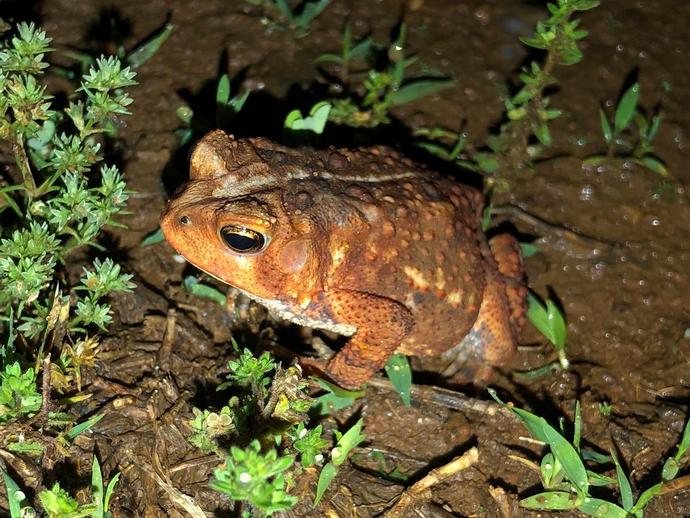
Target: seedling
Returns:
[350, 52]
[630, 134]
[347, 442]
[528, 111]
[270, 409]
[227, 106]
[335, 398]
[549, 320]
[400, 374]
[298, 19]
[384, 87]
[57, 503]
[135, 58]
[256, 478]
[315, 121]
[568, 481]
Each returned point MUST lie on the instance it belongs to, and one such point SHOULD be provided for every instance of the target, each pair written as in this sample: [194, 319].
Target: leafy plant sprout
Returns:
[630, 134]
[58, 197]
[383, 87]
[270, 415]
[298, 19]
[528, 112]
[568, 481]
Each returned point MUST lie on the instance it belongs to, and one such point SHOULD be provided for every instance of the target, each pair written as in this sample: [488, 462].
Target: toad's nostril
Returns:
[184, 220]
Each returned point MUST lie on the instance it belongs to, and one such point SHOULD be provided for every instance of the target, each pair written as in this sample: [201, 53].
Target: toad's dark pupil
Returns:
[242, 240]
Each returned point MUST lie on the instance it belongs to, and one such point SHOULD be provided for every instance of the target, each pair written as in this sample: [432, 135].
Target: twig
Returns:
[545, 228]
[420, 491]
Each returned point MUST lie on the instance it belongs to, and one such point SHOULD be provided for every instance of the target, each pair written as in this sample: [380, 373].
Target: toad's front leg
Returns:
[381, 325]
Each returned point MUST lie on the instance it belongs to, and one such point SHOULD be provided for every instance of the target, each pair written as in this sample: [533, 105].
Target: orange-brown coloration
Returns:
[362, 242]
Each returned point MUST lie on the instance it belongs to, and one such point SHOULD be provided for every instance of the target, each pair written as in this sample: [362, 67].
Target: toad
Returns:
[362, 242]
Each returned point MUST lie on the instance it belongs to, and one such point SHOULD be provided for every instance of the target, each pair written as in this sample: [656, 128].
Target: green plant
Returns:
[347, 442]
[270, 413]
[567, 479]
[350, 52]
[227, 106]
[528, 111]
[384, 86]
[54, 209]
[315, 121]
[135, 58]
[630, 134]
[18, 394]
[549, 320]
[399, 372]
[255, 477]
[297, 19]
[57, 503]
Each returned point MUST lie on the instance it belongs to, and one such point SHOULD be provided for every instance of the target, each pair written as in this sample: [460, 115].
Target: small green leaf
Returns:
[548, 320]
[153, 238]
[528, 250]
[79, 429]
[542, 132]
[601, 509]
[316, 121]
[646, 496]
[605, 126]
[416, 88]
[142, 53]
[328, 473]
[569, 458]
[623, 484]
[654, 126]
[97, 487]
[347, 442]
[223, 90]
[577, 426]
[329, 58]
[626, 108]
[584, 5]
[551, 500]
[400, 374]
[335, 398]
[193, 286]
[15, 495]
[653, 164]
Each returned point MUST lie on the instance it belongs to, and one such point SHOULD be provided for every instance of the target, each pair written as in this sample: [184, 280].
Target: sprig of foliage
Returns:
[18, 394]
[351, 51]
[56, 207]
[399, 372]
[272, 411]
[630, 134]
[227, 106]
[347, 442]
[549, 320]
[528, 111]
[384, 87]
[298, 19]
[315, 121]
[567, 480]
[257, 478]
[57, 503]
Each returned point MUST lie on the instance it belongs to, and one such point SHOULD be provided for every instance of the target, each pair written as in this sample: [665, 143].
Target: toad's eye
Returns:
[242, 240]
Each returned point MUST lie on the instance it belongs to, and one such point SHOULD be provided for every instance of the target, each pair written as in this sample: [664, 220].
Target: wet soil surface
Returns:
[627, 306]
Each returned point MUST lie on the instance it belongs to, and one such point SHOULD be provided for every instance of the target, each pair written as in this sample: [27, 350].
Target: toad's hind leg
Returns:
[492, 341]
[381, 325]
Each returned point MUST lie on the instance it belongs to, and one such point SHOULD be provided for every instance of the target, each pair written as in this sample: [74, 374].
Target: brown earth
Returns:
[627, 309]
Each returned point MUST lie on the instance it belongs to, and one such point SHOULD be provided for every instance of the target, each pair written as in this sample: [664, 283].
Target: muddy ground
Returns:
[627, 310]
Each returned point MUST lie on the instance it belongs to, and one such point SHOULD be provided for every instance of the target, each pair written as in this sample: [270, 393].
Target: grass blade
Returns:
[400, 374]
[626, 108]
